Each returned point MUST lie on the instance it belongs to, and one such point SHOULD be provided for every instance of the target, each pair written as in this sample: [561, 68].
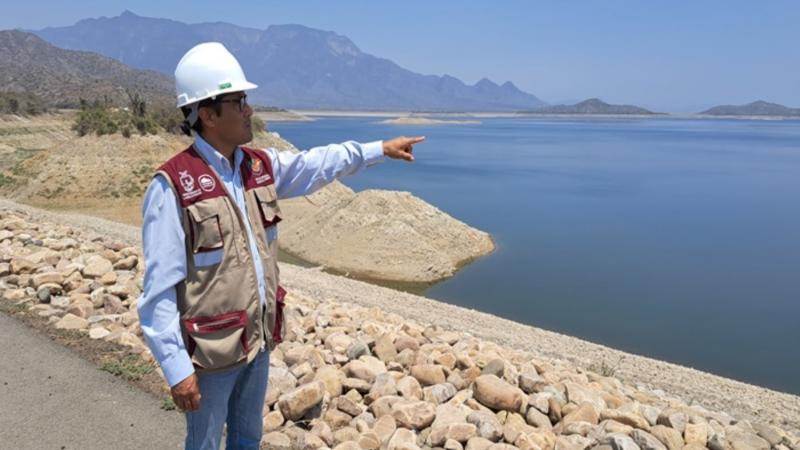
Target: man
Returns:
[212, 308]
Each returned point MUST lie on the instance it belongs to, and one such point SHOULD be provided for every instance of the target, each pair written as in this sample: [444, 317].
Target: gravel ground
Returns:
[741, 400]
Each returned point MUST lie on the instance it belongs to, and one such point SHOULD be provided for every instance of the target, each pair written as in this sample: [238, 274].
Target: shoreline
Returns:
[282, 116]
[714, 392]
[528, 115]
[61, 171]
[416, 120]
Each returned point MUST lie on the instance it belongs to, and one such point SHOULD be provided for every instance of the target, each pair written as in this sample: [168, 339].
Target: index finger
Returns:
[415, 140]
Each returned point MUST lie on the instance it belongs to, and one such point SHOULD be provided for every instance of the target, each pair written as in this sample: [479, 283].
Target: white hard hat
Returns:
[208, 70]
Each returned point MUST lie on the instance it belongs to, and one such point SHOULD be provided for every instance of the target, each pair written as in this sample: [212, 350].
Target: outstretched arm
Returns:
[303, 173]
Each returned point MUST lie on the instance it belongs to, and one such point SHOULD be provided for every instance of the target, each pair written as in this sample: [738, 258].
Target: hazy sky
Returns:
[667, 55]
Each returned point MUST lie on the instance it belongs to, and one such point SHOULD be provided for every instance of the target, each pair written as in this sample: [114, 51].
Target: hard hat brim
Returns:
[243, 86]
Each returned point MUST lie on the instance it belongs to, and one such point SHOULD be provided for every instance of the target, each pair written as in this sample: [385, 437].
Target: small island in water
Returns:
[592, 106]
[758, 108]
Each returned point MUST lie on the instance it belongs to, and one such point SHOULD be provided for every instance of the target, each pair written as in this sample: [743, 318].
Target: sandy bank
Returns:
[426, 121]
[282, 116]
[45, 165]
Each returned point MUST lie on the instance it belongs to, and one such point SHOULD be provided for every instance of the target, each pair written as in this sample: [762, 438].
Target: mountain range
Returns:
[61, 77]
[295, 66]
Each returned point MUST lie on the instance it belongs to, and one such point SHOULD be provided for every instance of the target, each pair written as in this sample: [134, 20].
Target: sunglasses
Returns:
[241, 101]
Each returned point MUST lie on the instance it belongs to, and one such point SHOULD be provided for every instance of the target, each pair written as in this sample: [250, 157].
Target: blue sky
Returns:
[671, 56]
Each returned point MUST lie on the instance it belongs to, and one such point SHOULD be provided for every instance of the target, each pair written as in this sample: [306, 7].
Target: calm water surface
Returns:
[675, 239]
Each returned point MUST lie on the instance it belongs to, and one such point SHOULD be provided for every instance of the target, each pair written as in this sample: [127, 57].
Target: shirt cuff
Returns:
[177, 367]
[373, 152]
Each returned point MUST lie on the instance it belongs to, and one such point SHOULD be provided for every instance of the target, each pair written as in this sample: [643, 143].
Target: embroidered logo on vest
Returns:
[256, 166]
[207, 182]
[187, 181]
[263, 178]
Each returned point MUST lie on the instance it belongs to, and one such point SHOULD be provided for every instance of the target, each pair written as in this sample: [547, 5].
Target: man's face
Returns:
[232, 124]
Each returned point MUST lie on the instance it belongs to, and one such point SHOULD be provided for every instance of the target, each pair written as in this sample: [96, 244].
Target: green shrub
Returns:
[103, 117]
[6, 180]
[257, 124]
[130, 367]
[23, 104]
[140, 115]
[167, 404]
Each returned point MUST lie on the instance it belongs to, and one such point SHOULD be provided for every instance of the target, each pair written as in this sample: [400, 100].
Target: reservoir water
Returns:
[676, 239]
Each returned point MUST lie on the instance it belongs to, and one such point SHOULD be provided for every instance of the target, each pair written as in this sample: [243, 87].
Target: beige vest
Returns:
[222, 322]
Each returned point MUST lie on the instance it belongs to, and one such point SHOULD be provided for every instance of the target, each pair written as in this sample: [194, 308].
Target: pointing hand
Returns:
[401, 147]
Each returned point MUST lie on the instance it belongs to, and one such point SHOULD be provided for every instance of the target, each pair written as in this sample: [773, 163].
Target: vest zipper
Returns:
[240, 215]
[263, 311]
[198, 327]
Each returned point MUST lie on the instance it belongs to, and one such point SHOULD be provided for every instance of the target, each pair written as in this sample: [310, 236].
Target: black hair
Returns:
[213, 103]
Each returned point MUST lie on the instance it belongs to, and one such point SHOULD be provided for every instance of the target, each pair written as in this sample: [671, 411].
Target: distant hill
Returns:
[757, 108]
[592, 106]
[294, 66]
[60, 77]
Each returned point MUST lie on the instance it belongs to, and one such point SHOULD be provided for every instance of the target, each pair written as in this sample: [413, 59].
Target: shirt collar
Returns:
[217, 159]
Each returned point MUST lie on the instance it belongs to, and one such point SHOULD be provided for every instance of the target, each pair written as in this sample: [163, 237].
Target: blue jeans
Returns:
[235, 396]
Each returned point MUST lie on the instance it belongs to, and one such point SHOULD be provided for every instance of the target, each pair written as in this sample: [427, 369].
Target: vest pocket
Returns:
[268, 204]
[217, 341]
[205, 259]
[206, 232]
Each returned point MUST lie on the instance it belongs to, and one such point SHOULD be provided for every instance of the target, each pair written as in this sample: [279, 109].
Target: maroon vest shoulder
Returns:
[256, 169]
[257, 172]
[192, 177]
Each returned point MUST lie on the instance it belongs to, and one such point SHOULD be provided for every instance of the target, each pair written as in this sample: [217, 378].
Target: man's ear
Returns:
[208, 116]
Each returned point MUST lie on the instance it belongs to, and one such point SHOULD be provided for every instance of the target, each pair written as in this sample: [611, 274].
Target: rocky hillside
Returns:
[31, 134]
[593, 106]
[318, 69]
[23, 137]
[757, 108]
[61, 77]
[350, 377]
[410, 240]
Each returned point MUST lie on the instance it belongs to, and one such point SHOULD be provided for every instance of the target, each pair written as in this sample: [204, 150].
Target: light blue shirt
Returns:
[165, 256]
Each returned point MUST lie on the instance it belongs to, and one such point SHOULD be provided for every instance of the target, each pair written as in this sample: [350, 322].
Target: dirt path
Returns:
[52, 398]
